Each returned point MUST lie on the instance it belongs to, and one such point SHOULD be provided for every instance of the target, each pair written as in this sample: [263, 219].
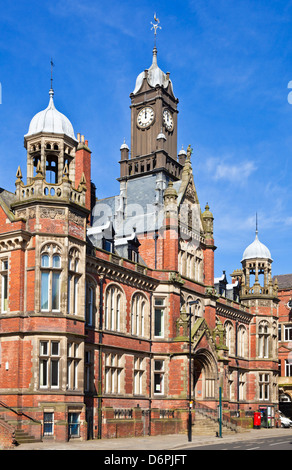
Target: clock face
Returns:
[145, 117]
[167, 120]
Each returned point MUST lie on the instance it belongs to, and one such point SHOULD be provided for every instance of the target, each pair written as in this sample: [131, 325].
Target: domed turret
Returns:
[257, 272]
[50, 120]
[51, 145]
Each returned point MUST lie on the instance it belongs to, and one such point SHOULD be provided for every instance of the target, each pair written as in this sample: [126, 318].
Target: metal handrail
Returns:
[19, 413]
[213, 414]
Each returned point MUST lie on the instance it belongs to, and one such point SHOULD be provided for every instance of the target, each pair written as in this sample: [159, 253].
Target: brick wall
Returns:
[6, 435]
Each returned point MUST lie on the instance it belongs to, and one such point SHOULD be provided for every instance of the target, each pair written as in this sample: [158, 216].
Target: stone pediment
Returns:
[200, 329]
[284, 349]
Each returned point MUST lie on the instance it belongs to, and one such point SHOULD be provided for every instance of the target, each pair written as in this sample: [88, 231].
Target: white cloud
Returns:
[229, 171]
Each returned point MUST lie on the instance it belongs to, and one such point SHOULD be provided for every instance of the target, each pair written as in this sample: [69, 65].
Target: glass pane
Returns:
[45, 291]
[45, 261]
[4, 293]
[158, 365]
[76, 265]
[75, 295]
[43, 373]
[69, 293]
[55, 348]
[73, 420]
[44, 348]
[55, 373]
[56, 291]
[56, 261]
[158, 322]
[157, 383]
[48, 424]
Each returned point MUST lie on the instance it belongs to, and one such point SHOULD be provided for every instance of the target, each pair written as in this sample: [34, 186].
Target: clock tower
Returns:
[153, 127]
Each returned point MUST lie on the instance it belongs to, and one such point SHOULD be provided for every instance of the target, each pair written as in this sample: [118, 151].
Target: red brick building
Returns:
[284, 283]
[96, 295]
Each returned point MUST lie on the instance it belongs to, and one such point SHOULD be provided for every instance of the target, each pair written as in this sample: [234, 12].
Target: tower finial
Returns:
[52, 65]
[155, 26]
[256, 232]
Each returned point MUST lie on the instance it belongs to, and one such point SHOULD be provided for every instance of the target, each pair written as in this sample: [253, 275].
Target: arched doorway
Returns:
[205, 375]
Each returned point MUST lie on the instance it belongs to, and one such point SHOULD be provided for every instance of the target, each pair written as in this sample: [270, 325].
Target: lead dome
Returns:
[51, 120]
[256, 250]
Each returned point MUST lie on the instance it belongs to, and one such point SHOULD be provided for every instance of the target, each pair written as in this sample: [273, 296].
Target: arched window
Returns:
[198, 275]
[73, 281]
[190, 261]
[242, 341]
[229, 331]
[52, 169]
[113, 306]
[50, 278]
[196, 309]
[90, 301]
[138, 313]
[274, 347]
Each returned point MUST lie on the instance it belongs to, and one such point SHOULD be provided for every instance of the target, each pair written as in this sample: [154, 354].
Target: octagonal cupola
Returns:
[51, 145]
[257, 269]
[52, 150]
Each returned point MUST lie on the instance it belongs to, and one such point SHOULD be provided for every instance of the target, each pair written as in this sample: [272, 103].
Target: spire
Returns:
[51, 92]
[187, 169]
[52, 65]
[154, 57]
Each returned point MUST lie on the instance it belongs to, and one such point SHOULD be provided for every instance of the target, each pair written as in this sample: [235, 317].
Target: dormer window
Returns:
[108, 245]
[133, 254]
[133, 248]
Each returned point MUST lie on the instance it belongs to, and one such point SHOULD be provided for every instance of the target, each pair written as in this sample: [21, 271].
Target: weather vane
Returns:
[155, 26]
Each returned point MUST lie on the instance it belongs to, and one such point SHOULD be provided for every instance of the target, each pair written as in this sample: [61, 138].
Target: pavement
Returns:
[171, 442]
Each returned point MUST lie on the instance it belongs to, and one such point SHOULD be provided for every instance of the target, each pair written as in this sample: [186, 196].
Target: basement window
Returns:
[159, 376]
[48, 423]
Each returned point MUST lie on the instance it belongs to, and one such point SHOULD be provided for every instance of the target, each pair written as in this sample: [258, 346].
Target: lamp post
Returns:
[192, 302]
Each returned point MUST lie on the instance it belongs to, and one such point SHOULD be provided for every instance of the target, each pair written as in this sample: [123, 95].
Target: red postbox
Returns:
[257, 419]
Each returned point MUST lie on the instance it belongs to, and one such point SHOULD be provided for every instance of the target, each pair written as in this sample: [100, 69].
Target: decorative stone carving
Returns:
[52, 213]
[77, 219]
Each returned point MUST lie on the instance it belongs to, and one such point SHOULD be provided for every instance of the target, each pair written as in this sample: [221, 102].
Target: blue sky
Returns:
[230, 64]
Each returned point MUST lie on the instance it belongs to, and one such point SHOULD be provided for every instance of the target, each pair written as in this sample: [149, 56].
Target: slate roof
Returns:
[284, 281]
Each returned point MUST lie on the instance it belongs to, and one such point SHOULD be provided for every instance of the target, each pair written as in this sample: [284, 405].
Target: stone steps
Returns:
[206, 426]
[22, 437]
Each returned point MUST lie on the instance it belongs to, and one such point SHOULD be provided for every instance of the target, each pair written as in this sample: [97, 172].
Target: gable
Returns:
[6, 199]
[190, 216]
